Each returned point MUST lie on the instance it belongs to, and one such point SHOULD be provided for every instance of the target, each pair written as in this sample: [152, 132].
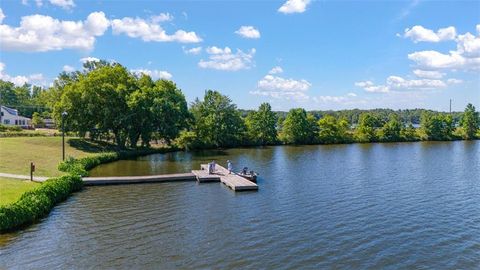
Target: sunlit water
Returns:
[375, 206]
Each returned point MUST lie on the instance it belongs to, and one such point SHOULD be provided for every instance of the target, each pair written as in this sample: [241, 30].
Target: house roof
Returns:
[10, 110]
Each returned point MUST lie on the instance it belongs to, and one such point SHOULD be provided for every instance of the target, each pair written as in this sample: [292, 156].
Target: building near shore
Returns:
[10, 117]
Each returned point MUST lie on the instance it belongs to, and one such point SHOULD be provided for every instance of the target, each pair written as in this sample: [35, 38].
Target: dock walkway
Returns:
[233, 181]
[112, 180]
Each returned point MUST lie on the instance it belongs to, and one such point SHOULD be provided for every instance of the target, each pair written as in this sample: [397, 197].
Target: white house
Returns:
[10, 117]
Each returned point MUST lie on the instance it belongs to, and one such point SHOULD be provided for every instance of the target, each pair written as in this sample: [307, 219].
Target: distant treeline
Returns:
[105, 101]
[353, 115]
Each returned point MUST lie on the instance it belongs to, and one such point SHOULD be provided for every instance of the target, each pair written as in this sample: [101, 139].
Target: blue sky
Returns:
[295, 53]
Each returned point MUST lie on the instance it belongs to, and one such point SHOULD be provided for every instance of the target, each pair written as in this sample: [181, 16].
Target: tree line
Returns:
[105, 101]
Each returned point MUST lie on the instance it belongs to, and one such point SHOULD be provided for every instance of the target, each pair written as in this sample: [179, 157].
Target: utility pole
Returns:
[450, 106]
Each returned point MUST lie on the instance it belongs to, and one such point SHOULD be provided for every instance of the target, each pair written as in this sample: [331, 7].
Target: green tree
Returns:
[217, 121]
[37, 120]
[298, 127]
[436, 126]
[470, 122]
[366, 129]
[261, 125]
[98, 102]
[390, 131]
[333, 130]
[409, 133]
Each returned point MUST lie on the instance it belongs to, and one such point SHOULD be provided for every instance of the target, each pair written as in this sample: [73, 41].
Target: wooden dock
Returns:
[115, 180]
[233, 181]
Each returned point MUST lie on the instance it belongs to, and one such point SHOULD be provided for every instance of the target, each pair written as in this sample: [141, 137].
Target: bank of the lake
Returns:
[399, 205]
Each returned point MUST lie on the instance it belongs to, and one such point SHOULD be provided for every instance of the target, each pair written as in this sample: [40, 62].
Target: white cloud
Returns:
[275, 70]
[68, 68]
[369, 86]
[294, 6]
[150, 30]
[282, 88]
[397, 83]
[162, 17]
[428, 74]
[155, 74]
[21, 80]
[465, 57]
[418, 34]
[225, 59]
[275, 83]
[468, 45]
[65, 4]
[194, 51]
[437, 60]
[454, 81]
[248, 32]
[41, 33]
[89, 59]
[2, 16]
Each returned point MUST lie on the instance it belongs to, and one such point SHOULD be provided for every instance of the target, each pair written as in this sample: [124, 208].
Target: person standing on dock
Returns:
[213, 166]
[229, 166]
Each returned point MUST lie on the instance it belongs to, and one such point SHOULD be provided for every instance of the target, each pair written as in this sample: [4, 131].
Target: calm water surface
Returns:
[372, 206]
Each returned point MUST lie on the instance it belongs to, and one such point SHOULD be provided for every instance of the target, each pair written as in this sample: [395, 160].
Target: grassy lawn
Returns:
[16, 153]
[12, 189]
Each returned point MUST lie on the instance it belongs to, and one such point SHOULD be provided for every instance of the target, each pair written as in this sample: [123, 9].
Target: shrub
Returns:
[38, 202]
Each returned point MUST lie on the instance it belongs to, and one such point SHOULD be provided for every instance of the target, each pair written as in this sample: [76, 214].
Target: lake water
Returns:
[359, 206]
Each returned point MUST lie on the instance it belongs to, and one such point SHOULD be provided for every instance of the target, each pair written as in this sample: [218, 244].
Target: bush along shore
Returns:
[38, 202]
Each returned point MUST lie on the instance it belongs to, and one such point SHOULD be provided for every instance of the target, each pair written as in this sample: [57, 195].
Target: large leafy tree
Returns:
[470, 122]
[333, 130]
[98, 101]
[217, 121]
[261, 125]
[298, 127]
[390, 131]
[366, 129]
[436, 126]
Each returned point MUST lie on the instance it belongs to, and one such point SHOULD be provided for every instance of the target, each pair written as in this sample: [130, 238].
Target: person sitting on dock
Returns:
[229, 166]
[213, 166]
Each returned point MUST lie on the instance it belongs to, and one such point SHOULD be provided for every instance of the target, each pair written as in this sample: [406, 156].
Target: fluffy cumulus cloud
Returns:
[155, 74]
[465, 57]
[194, 51]
[419, 33]
[248, 32]
[397, 83]
[278, 87]
[294, 6]
[151, 30]
[20, 79]
[41, 33]
[226, 59]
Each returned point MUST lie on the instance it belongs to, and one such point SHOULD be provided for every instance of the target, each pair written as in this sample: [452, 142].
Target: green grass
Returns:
[16, 153]
[12, 189]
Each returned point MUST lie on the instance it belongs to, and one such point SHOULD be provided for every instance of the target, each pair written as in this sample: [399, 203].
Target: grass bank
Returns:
[23, 202]
[12, 189]
[45, 152]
